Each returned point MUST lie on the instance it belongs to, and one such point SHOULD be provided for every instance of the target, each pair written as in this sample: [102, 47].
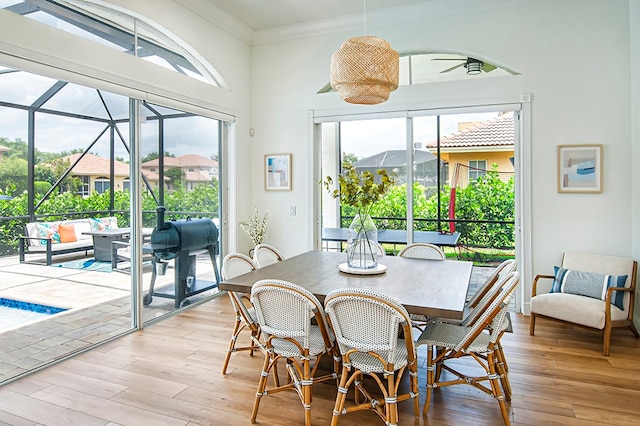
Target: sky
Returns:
[192, 135]
[369, 137]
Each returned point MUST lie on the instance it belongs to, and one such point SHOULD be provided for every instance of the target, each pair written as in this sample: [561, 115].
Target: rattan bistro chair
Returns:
[501, 270]
[422, 251]
[265, 255]
[285, 312]
[498, 279]
[447, 342]
[366, 325]
[235, 264]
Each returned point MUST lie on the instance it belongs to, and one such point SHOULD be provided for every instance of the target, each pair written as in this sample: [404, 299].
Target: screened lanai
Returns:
[65, 158]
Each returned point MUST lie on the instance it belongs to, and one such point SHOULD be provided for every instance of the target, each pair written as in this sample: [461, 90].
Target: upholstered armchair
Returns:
[590, 290]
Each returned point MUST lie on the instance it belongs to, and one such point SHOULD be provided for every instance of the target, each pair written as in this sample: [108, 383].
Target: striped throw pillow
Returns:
[588, 284]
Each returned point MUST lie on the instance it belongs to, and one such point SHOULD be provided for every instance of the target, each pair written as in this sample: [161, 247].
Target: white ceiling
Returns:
[267, 14]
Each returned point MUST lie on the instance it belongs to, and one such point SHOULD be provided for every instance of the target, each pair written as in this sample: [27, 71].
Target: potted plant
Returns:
[360, 190]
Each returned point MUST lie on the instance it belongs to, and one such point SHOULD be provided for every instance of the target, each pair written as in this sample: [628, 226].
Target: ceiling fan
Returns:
[473, 66]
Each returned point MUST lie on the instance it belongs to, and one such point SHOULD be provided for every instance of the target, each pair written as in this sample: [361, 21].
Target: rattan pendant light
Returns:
[365, 70]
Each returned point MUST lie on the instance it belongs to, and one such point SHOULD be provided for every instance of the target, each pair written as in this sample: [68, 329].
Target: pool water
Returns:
[16, 313]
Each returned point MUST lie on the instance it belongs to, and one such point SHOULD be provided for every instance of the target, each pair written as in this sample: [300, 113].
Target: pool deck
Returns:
[98, 303]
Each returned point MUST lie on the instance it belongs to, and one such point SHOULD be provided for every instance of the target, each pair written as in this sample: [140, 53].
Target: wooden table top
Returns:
[427, 287]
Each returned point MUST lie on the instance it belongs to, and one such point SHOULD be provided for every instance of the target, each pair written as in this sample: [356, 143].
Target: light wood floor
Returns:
[169, 374]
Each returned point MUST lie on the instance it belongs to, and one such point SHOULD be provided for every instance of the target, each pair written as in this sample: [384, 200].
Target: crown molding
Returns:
[218, 17]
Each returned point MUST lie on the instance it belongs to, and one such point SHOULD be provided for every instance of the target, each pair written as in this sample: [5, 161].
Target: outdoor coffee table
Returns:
[102, 241]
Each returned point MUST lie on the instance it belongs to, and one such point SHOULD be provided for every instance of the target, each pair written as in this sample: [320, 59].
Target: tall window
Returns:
[84, 189]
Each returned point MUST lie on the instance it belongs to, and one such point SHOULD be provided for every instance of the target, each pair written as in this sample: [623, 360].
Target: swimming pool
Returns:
[16, 313]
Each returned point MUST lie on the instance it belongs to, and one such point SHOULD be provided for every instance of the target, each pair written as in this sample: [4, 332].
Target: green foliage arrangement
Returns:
[359, 190]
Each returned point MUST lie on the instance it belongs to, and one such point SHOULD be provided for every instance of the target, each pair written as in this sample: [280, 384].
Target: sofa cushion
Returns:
[67, 233]
[82, 226]
[588, 284]
[47, 230]
[103, 223]
[76, 245]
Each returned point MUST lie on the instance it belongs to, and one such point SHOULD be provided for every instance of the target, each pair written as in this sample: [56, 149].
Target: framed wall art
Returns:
[580, 168]
[277, 172]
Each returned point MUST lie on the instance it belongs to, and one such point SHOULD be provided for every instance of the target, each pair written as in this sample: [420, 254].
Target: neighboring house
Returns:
[94, 172]
[3, 149]
[197, 169]
[477, 147]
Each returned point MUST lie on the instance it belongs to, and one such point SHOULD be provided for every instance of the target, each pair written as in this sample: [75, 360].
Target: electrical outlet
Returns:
[292, 210]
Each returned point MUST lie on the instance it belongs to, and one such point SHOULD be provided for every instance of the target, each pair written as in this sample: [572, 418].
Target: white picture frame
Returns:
[580, 168]
[277, 172]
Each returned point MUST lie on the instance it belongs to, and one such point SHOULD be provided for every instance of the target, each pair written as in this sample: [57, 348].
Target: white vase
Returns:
[362, 243]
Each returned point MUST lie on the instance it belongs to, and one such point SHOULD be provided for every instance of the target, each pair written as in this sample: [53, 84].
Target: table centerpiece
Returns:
[361, 190]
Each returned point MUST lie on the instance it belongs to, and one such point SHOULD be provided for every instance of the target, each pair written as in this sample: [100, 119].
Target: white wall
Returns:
[573, 56]
[634, 49]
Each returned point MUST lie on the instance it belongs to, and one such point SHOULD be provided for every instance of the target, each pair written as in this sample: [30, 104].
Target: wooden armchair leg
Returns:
[607, 340]
[532, 324]
[634, 330]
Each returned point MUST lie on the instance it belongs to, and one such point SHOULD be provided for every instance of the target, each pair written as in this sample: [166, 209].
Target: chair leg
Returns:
[430, 379]
[306, 389]
[495, 387]
[341, 396]
[416, 391]
[606, 347]
[392, 412]
[262, 385]
[633, 329]
[532, 323]
[232, 344]
[503, 371]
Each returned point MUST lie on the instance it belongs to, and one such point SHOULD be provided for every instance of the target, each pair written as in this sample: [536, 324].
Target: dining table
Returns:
[425, 287]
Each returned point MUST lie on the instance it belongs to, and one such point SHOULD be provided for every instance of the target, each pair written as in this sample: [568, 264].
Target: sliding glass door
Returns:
[455, 175]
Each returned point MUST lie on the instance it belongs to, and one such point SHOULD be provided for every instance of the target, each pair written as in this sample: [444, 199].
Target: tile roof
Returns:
[197, 177]
[189, 160]
[93, 165]
[495, 132]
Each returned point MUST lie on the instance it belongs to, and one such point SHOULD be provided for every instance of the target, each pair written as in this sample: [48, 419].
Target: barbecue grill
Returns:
[183, 240]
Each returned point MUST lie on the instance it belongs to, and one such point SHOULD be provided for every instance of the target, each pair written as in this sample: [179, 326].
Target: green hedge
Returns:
[202, 200]
[488, 199]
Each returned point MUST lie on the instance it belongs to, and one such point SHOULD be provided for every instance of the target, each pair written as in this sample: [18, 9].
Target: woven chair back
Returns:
[422, 251]
[368, 321]
[235, 264]
[500, 272]
[489, 315]
[265, 255]
[285, 310]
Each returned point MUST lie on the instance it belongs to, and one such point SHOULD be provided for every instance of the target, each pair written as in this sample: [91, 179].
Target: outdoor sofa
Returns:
[62, 237]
